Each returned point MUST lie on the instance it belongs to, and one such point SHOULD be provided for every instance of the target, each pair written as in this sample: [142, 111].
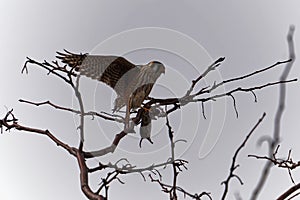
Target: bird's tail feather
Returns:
[71, 59]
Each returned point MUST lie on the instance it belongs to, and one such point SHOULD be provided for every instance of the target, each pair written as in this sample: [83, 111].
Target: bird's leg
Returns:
[128, 127]
[127, 117]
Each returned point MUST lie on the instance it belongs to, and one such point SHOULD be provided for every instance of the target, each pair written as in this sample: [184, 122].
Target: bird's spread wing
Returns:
[115, 71]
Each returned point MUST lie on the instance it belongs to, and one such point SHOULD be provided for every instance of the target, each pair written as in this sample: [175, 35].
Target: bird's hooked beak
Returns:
[163, 70]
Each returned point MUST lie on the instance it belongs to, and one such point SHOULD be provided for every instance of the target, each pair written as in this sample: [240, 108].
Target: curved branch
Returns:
[233, 164]
[290, 191]
[13, 124]
[278, 116]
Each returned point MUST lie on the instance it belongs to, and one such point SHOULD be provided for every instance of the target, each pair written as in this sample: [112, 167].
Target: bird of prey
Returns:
[131, 82]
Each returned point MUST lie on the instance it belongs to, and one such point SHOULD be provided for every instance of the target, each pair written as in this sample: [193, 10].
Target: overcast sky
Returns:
[184, 35]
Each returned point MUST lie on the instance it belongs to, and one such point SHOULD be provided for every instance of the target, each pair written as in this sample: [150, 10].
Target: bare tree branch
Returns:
[240, 89]
[188, 97]
[210, 68]
[173, 195]
[10, 122]
[278, 116]
[234, 166]
[287, 163]
[90, 113]
[290, 191]
[52, 69]
[167, 188]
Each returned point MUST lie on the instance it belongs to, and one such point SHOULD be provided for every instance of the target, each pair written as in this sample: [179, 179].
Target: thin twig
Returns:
[210, 68]
[167, 188]
[90, 113]
[287, 163]
[234, 166]
[240, 89]
[250, 74]
[173, 195]
[50, 68]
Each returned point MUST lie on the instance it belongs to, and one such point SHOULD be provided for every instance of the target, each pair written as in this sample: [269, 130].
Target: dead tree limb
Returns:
[234, 166]
[11, 122]
[276, 134]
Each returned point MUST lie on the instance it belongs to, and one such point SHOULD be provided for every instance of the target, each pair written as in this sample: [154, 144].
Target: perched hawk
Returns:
[132, 83]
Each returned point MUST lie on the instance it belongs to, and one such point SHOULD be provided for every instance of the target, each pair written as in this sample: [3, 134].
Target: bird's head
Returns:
[158, 67]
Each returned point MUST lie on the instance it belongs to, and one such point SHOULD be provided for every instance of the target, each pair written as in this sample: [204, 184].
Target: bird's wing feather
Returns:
[108, 69]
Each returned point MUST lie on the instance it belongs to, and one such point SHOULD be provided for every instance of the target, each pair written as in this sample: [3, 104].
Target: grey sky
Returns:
[250, 34]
